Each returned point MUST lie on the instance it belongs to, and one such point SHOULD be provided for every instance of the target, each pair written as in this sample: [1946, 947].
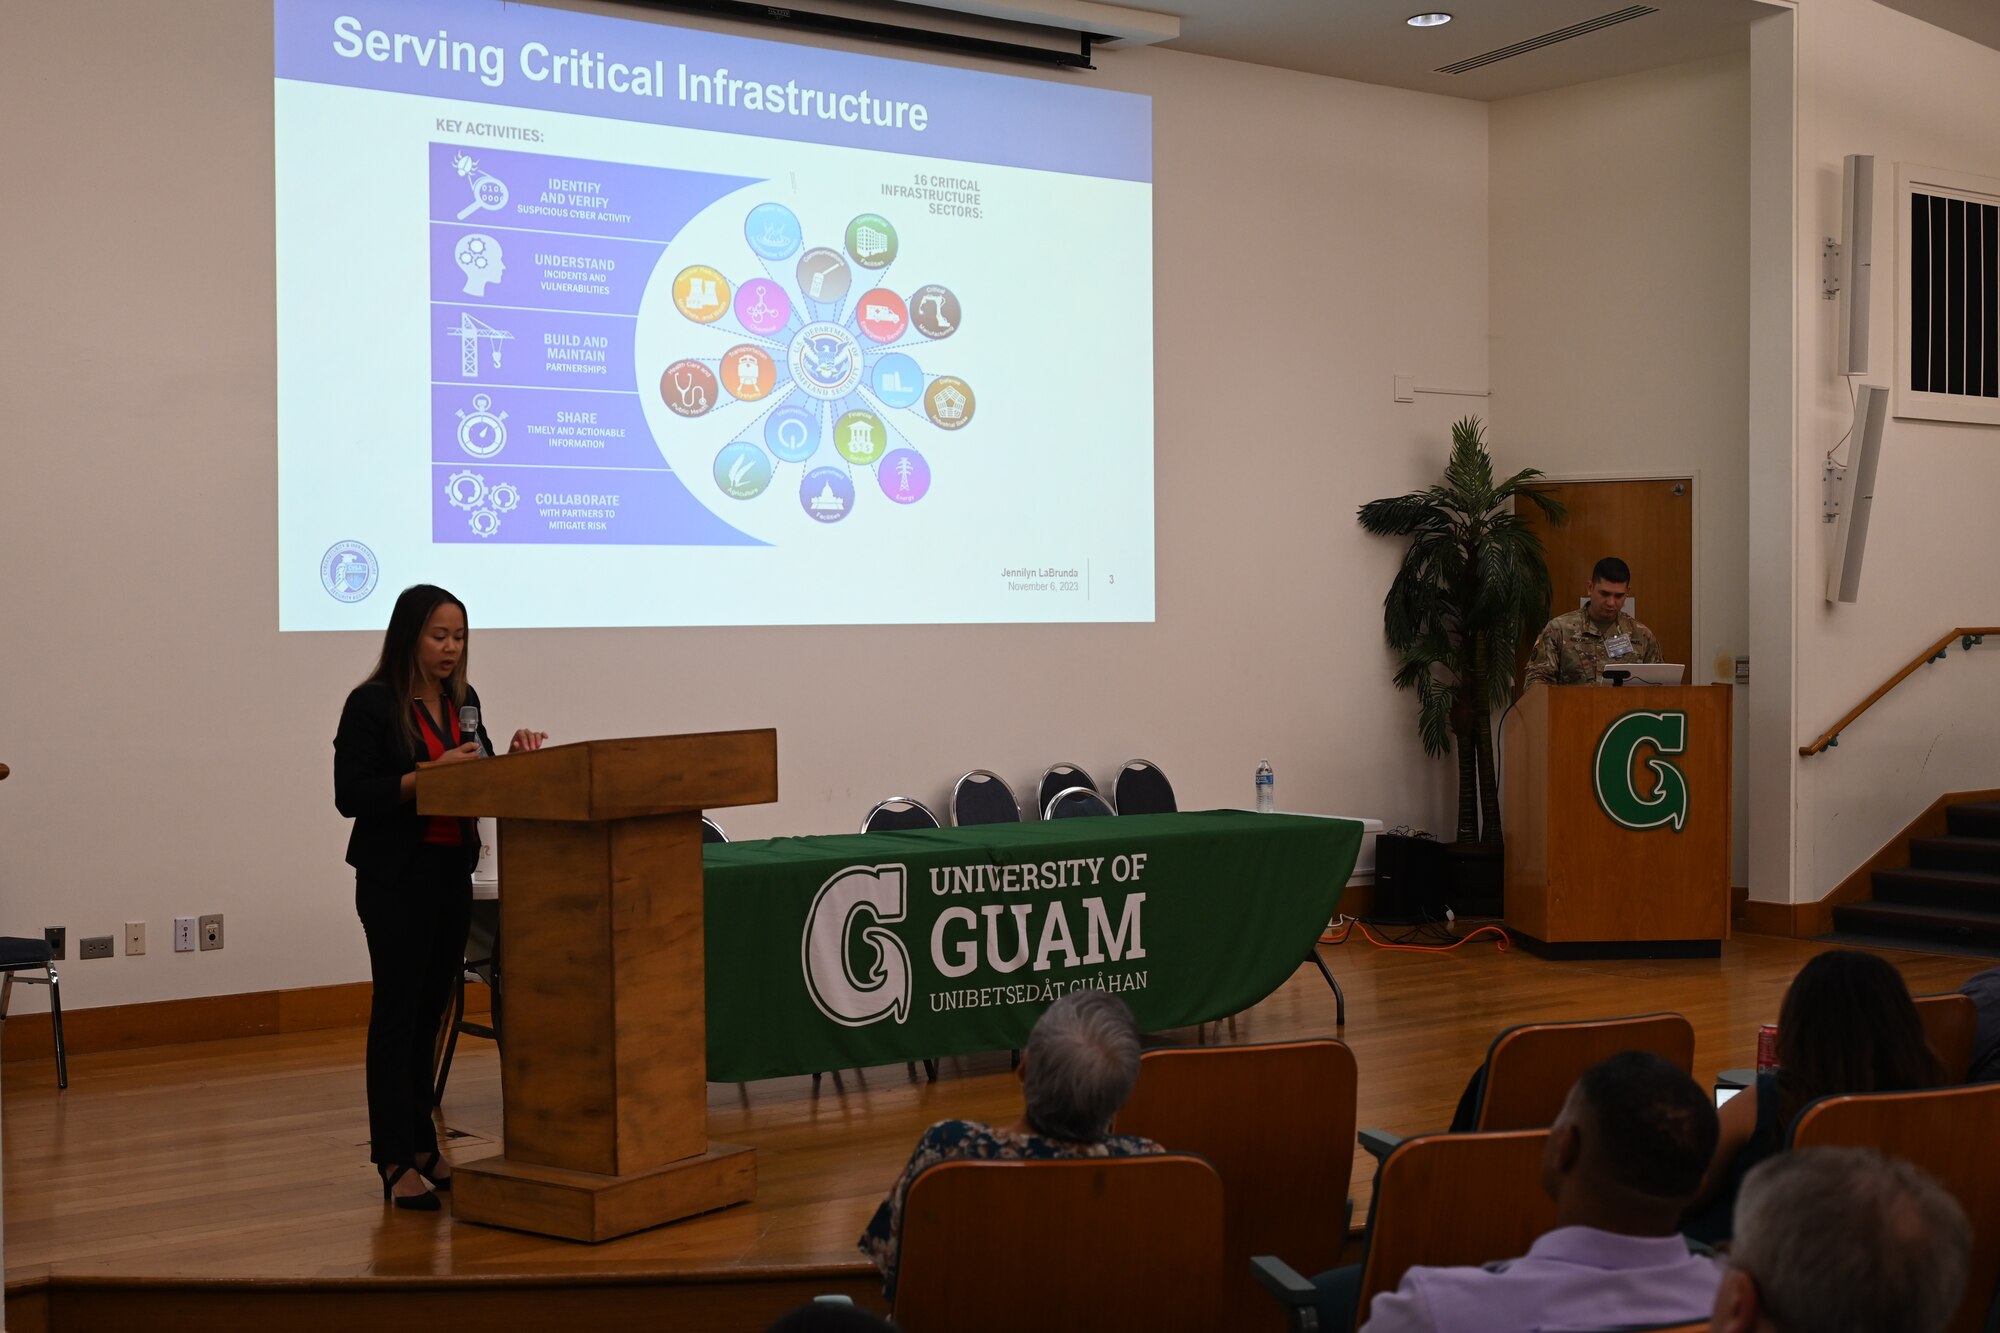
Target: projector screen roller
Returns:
[599, 321]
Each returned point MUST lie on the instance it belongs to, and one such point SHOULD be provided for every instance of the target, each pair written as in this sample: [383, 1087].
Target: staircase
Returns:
[1949, 894]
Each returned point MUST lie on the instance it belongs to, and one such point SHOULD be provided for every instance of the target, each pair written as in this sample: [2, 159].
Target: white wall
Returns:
[1872, 80]
[1772, 750]
[171, 750]
[1620, 262]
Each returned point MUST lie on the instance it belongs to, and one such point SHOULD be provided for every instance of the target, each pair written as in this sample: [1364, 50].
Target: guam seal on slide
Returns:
[349, 571]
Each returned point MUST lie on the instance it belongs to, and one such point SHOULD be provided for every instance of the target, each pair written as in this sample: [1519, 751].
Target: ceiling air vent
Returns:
[1522, 48]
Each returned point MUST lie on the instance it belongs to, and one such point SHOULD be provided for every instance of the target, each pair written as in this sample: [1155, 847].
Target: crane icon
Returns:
[470, 332]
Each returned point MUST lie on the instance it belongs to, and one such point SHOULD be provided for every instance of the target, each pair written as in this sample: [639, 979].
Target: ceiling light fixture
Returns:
[1428, 20]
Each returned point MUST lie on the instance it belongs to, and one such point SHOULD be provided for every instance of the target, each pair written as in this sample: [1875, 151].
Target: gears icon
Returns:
[465, 490]
[478, 257]
[477, 251]
[468, 490]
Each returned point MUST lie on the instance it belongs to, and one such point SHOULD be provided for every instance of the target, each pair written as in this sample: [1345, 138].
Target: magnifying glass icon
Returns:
[489, 193]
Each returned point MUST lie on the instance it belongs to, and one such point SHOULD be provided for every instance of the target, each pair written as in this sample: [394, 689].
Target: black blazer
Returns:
[370, 756]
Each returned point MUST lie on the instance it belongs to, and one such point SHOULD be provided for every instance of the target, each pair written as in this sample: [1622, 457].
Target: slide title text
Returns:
[596, 71]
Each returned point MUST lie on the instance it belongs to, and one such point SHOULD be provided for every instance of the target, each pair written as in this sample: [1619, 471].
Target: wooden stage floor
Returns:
[246, 1158]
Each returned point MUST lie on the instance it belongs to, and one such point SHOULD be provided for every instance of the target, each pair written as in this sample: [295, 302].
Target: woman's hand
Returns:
[527, 740]
[469, 750]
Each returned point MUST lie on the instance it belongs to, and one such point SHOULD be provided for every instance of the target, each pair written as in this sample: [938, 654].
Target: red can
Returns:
[1767, 1048]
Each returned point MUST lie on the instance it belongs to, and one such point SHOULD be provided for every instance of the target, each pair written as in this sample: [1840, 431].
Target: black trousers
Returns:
[416, 923]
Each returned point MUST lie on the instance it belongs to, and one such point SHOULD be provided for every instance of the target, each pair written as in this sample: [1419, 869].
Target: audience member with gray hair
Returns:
[1843, 1240]
[1081, 1063]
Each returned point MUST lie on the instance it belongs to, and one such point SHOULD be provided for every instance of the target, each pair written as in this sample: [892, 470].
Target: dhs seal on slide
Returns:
[348, 571]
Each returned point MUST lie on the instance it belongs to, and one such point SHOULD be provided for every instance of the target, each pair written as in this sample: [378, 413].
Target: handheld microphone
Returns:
[468, 725]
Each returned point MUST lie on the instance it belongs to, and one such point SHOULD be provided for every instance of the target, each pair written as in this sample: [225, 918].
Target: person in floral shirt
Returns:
[1080, 1065]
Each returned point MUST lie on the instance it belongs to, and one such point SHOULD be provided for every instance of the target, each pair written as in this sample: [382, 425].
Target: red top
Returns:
[443, 830]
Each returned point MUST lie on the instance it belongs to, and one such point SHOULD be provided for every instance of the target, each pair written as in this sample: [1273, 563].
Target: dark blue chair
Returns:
[898, 813]
[983, 797]
[1142, 789]
[1060, 778]
[1076, 803]
[19, 955]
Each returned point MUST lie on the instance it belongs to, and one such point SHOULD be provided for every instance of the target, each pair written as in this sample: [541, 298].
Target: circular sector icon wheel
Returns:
[781, 372]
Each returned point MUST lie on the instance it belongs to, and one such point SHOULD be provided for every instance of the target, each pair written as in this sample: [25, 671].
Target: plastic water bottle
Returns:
[1267, 788]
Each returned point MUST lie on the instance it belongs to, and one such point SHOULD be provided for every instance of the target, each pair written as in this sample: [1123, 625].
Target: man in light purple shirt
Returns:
[1623, 1162]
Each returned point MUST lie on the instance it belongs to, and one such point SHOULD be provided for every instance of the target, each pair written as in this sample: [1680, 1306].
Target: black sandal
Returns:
[423, 1203]
[442, 1184]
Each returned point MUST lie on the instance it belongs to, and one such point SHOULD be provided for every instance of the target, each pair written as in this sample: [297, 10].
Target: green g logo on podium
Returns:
[1617, 756]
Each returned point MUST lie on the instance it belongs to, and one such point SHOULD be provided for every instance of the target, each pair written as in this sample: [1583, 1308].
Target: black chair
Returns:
[486, 971]
[711, 831]
[16, 955]
[983, 797]
[1076, 803]
[1142, 789]
[1059, 778]
[898, 813]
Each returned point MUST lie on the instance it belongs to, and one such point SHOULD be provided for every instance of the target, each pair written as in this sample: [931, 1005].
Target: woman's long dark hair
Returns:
[397, 666]
[1848, 1025]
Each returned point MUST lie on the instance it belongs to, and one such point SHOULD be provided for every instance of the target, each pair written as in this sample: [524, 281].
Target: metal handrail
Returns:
[1967, 638]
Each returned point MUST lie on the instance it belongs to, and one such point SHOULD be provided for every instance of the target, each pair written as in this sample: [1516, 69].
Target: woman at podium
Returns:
[412, 874]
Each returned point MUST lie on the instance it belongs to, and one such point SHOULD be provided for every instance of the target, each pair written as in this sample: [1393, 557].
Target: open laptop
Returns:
[1648, 673]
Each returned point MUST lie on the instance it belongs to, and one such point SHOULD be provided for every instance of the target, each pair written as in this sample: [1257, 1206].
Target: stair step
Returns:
[1969, 890]
[1973, 819]
[1956, 853]
[1945, 924]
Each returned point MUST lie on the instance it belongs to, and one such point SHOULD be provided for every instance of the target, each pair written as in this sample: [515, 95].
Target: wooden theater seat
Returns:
[1945, 1131]
[1110, 1244]
[1277, 1124]
[1531, 1068]
[1950, 1023]
[1447, 1199]
[1441, 1200]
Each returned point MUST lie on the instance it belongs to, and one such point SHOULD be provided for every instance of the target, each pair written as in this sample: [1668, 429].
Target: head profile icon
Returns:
[479, 259]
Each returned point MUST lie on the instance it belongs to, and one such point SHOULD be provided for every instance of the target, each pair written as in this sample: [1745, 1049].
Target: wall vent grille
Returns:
[1522, 48]
[1954, 278]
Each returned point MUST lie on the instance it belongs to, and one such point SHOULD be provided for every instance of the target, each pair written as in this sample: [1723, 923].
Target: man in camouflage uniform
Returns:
[1574, 648]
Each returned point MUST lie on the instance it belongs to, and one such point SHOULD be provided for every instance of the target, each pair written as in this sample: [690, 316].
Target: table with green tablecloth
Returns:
[842, 951]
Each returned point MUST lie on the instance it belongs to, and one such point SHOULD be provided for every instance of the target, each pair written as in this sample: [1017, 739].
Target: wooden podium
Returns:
[1617, 818]
[604, 1061]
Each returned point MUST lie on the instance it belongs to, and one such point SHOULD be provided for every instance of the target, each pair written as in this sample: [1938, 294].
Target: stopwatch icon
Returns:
[482, 432]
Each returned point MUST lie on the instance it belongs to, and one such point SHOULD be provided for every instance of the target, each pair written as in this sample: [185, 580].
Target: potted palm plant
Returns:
[1473, 588]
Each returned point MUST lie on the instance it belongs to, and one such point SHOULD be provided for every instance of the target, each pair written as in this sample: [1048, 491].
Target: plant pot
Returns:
[1477, 875]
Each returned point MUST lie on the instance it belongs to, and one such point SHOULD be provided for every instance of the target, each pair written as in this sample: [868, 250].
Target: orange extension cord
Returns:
[1340, 937]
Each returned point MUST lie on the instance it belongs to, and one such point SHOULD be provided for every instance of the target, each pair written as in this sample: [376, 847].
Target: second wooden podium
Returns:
[604, 1062]
[1617, 807]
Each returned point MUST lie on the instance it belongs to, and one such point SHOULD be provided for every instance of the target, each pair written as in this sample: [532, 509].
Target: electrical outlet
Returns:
[183, 934]
[57, 937]
[135, 937]
[211, 931]
[94, 946]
